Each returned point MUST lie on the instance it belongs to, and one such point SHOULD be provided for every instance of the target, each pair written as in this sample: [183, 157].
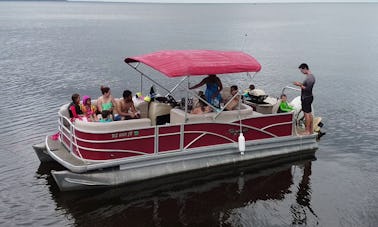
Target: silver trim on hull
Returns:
[41, 151]
[262, 151]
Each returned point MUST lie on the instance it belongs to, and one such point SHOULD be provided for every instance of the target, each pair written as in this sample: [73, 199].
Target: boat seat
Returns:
[177, 116]
[113, 126]
[276, 106]
[158, 109]
[140, 105]
[64, 111]
[225, 93]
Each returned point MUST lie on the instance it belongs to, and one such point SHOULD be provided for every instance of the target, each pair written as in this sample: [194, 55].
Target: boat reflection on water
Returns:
[206, 198]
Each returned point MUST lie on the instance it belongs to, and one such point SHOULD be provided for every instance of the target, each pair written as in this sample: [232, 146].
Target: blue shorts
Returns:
[117, 118]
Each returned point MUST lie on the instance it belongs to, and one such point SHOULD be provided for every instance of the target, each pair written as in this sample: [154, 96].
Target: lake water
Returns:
[50, 50]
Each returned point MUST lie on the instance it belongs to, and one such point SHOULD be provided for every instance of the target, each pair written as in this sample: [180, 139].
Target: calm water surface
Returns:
[50, 50]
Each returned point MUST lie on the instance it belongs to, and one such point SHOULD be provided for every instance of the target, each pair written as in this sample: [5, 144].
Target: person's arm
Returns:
[94, 111]
[74, 114]
[196, 110]
[199, 84]
[133, 109]
[299, 84]
[99, 104]
[290, 107]
[114, 103]
[119, 110]
[83, 109]
[208, 109]
[285, 107]
[91, 110]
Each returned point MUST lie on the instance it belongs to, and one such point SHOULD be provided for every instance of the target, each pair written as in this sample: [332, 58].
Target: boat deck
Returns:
[59, 151]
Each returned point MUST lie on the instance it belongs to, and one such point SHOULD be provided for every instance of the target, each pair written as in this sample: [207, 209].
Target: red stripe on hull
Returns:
[130, 143]
[198, 140]
[208, 134]
[169, 138]
[103, 155]
[265, 121]
[145, 145]
[115, 135]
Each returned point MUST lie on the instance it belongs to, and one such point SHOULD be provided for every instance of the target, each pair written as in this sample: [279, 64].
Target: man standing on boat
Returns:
[306, 96]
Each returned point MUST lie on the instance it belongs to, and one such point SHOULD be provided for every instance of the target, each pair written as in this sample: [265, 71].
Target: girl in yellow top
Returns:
[88, 109]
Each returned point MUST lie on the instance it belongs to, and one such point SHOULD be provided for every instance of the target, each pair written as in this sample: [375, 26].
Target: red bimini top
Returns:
[176, 63]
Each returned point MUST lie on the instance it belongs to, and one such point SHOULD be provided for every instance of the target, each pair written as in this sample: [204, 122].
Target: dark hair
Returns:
[201, 102]
[104, 89]
[234, 87]
[283, 95]
[105, 114]
[126, 93]
[303, 66]
[75, 96]
[251, 86]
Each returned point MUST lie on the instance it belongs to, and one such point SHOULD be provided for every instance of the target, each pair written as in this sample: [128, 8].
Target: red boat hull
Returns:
[167, 138]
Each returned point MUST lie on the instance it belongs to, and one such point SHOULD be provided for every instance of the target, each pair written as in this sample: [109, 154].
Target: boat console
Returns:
[159, 112]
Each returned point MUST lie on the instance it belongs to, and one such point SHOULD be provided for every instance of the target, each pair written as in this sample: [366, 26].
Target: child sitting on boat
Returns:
[88, 109]
[234, 103]
[74, 108]
[284, 106]
[105, 116]
[248, 92]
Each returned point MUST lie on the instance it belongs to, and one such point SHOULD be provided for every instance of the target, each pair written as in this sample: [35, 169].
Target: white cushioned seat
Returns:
[178, 116]
[113, 126]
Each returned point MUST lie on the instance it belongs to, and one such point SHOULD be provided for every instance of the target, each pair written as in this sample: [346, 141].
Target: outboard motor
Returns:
[298, 113]
[299, 117]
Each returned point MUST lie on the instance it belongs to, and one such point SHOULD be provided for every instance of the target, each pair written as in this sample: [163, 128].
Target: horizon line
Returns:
[226, 1]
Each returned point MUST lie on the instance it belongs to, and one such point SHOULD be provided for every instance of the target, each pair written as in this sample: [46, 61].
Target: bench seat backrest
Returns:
[178, 116]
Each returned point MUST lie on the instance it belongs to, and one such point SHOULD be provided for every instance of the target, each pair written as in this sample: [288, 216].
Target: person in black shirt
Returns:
[74, 108]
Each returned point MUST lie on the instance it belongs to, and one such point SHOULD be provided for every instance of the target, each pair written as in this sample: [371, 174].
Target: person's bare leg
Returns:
[311, 124]
[308, 123]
